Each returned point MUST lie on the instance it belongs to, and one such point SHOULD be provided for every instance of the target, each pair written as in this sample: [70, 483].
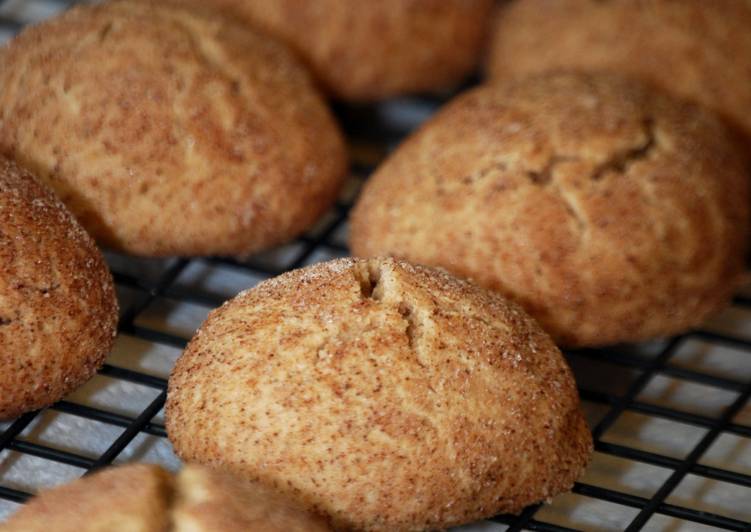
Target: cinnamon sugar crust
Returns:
[610, 211]
[694, 49]
[146, 498]
[369, 50]
[168, 131]
[384, 395]
[58, 311]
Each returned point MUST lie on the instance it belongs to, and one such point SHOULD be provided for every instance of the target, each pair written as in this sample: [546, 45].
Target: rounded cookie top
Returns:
[371, 50]
[696, 49]
[386, 395]
[169, 132]
[611, 212]
[58, 310]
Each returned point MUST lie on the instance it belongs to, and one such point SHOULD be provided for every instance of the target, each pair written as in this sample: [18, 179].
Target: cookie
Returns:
[610, 211]
[169, 132]
[362, 51]
[122, 499]
[209, 501]
[692, 48]
[58, 311]
[146, 498]
[384, 395]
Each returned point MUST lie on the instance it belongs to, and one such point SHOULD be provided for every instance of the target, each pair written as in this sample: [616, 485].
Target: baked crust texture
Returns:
[385, 395]
[147, 498]
[169, 131]
[369, 50]
[58, 310]
[610, 211]
[694, 49]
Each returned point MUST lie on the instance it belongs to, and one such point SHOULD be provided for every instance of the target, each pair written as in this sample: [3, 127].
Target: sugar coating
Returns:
[364, 51]
[58, 310]
[168, 131]
[385, 395]
[147, 498]
[609, 211]
[695, 49]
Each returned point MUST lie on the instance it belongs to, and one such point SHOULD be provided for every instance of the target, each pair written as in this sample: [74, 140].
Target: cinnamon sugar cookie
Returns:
[692, 48]
[146, 498]
[169, 132]
[610, 211]
[388, 396]
[58, 310]
[368, 50]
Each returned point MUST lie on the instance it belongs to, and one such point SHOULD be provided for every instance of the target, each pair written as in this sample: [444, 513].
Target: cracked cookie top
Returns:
[57, 300]
[610, 211]
[386, 395]
[168, 131]
[147, 498]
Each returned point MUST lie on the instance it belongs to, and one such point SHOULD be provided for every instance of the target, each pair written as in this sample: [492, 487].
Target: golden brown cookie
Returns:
[373, 49]
[168, 132]
[134, 498]
[58, 310]
[693, 48]
[146, 498]
[209, 501]
[388, 396]
[611, 212]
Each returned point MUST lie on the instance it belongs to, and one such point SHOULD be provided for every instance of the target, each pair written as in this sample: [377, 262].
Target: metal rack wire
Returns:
[630, 372]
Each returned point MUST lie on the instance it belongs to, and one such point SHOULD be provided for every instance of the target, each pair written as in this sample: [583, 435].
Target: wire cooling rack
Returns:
[671, 419]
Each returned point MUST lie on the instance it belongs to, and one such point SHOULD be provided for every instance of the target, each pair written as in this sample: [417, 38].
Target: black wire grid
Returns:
[374, 131]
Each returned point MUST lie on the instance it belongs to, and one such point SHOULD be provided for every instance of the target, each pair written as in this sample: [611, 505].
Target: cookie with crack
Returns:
[58, 311]
[610, 211]
[146, 498]
[168, 131]
[385, 395]
[692, 48]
